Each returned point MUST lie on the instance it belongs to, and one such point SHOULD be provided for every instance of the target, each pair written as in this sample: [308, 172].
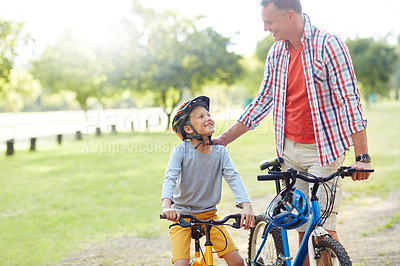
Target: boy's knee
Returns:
[233, 258]
[181, 263]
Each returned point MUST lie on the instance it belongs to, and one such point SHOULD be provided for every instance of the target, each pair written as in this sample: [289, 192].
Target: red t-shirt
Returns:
[299, 125]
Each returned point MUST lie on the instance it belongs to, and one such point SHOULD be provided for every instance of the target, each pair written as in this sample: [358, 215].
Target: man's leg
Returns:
[324, 198]
[304, 157]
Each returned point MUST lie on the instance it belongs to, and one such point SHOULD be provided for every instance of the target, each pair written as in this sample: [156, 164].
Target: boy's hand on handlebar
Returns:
[172, 215]
[247, 214]
[358, 176]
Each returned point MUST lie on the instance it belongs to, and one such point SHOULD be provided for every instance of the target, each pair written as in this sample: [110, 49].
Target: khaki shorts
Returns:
[181, 238]
[304, 158]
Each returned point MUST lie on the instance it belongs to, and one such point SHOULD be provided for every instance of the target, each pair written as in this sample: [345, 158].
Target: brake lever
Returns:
[237, 222]
[182, 223]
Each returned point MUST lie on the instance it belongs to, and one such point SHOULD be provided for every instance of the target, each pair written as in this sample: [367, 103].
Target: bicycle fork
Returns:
[287, 257]
[317, 232]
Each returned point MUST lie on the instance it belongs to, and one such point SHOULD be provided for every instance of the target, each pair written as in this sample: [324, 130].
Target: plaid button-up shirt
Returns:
[332, 91]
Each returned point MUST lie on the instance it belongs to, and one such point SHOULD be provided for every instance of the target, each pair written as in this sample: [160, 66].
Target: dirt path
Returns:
[360, 227]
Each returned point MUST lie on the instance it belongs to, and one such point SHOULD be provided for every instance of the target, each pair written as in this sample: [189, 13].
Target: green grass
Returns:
[59, 199]
[54, 200]
[395, 219]
[384, 146]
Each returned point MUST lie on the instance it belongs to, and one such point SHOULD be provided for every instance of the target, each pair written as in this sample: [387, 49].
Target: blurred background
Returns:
[86, 56]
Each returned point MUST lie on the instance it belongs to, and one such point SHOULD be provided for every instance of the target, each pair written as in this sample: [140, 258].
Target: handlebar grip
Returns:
[268, 163]
[163, 216]
[269, 177]
[350, 171]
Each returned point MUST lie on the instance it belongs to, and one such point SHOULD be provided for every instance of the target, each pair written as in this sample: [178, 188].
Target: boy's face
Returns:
[201, 121]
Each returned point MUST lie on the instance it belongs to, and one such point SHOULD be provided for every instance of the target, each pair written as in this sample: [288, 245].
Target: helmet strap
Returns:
[197, 136]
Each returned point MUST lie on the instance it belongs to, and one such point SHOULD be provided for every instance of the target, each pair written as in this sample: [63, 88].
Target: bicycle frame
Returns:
[303, 249]
[207, 259]
[314, 229]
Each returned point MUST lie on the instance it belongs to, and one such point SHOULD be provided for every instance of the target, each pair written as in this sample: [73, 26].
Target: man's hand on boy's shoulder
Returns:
[219, 141]
[247, 215]
[232, 133]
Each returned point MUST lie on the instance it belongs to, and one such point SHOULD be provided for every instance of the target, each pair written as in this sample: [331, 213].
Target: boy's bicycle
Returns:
[201, 228]
[268, 240]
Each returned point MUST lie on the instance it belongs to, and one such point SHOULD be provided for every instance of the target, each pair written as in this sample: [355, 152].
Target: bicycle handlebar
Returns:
[281, 175]
[196, 221]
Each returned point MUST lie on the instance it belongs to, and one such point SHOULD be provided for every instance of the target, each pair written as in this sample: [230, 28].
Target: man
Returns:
[310, 86]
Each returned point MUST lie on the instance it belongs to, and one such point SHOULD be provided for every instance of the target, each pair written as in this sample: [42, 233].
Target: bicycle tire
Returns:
[338, 254]
[273, 252]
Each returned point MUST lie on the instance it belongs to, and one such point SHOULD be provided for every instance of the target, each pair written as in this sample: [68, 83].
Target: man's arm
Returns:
[232, 133]
[360, 147]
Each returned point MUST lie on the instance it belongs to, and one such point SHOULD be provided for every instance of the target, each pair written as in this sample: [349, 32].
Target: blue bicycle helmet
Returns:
[289, 209]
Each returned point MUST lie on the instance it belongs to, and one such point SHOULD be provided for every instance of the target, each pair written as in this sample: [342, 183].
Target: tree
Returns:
[396, 77]
[20, 89]
[252, 76]
[149, 53]
[71, 65]
[180, 55]
[374, 64]
[263, 47]
[123, 58]
[11, 36]
[254, 66]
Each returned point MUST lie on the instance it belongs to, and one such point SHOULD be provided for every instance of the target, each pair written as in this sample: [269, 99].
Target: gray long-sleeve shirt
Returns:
[193, 180]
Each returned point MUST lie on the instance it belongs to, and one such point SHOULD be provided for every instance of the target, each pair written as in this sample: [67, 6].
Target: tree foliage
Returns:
[71, 65]
[151, 53]
[182, 56]
[263, 47]
[20, 90]
[374, 64]
[11, 36]
[396, 77]
[253, 67]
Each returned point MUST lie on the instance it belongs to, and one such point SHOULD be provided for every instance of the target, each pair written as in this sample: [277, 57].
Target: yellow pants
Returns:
[181, 238]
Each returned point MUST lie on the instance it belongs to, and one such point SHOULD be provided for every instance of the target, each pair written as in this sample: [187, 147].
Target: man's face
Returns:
[276, 21]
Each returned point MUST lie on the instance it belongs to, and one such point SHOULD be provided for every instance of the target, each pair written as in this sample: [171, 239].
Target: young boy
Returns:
[193, 182]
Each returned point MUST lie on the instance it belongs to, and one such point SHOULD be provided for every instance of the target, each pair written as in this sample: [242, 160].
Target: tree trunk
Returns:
[168, 120]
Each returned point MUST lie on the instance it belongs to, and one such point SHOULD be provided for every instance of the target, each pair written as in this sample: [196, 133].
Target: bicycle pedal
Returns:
[283, 258]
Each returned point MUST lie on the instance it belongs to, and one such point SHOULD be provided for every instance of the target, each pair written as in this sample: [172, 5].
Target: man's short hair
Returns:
[294, 5]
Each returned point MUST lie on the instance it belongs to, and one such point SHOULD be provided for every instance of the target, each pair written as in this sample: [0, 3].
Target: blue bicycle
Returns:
[268, 240]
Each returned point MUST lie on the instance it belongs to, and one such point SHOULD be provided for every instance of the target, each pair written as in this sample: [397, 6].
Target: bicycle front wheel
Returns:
[272, 252]
[330, 252]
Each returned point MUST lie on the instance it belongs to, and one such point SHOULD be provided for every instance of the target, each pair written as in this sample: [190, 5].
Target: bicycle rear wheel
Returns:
[331, 252]
[272, 253]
